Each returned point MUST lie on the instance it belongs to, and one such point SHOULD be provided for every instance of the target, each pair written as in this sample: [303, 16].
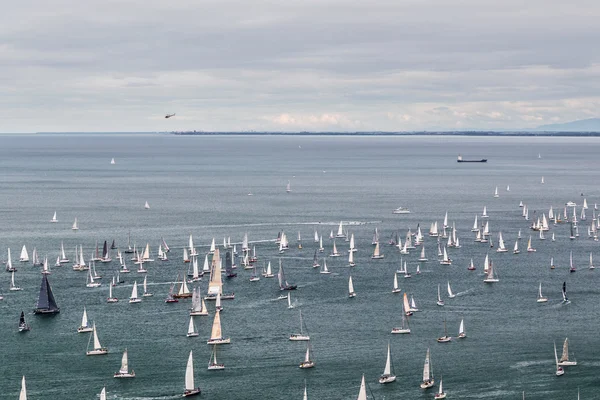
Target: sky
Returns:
[297, 65]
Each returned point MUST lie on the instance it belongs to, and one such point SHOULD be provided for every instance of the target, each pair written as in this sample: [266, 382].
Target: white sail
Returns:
[461, 329]
[450, 294]
[395, 282]
[189, 373]
[362, 393]
[216, 327]
[23, 394]
[24, 256]
[388, 362]
[134, 291]
[103, 394]
[124, 364]
[340, 232]
[427, 368]
[84, 318]
[97, 345]
[75, 225]
[350, 285]
[212, 246]
[191, 327]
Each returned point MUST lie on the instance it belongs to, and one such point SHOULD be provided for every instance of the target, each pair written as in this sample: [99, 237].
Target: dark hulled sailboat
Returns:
[229, 266]
[23, 326]
[46, 303]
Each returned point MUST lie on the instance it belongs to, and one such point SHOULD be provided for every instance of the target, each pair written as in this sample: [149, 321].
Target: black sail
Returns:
[46, 303]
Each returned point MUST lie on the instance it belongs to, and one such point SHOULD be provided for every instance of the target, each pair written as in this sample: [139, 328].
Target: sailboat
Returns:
[9, 266]
[516, 248]
[46, 303]
[564, 360]
[428, 380]
[213, 365]
[54, 218]
[23, 393]
[351, 262]
[324, 270]
[446, 260]
[564, 294]
[422, 257]
[571, 266]
[302, 336]
[184, 291]
[216, 336]
[307, 363]
[147, 206]
[388, 376]
[145, 285]
[591, 261]
[198, 306]
[501, 247]
[268, 273]
[351, 292]
[23, 326]
[559, 370]
[496, 192]
[445, 338]
[541, 298]
[471, 266]
[192, 331]
[340, 231]
[405, 327]
[450, 294]
[111, 298]
[396, 289]
[97, 349]
[461, 330]
[13, 287]
[190, 389]
[288, 187]
[24, 255]
[75, 226]
[440, 394]
[376, 254]
[334, 252]
[124, 370]
[283, 283]
[529, 248]
[490, 276]
[440, 302]
[85, 326]
[134, 294]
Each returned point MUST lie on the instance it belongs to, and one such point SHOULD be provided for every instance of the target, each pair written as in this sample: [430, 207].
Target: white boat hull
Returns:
[124, 375]
[85, 329]
[427, 385]
[219, 341]
[401, 330]
[387, 378]
[98, 352]
[299, 338]
[306, 364]
[216, 367]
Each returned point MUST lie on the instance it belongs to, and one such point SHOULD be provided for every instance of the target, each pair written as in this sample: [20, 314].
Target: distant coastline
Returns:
[441, 133]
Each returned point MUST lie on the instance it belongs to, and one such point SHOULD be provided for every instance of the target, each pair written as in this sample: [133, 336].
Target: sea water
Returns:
[199, 185]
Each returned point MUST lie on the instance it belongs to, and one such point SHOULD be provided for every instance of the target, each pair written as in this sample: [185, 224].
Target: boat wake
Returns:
[464, 293]
[527, 364]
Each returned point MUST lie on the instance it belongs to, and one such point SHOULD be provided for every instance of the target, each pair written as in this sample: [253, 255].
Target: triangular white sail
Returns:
[24, 256]
[388, 362]
[23, 394]
[191, 327]
[189, 373]
[124, 364]
[97, 345]
[362, 393]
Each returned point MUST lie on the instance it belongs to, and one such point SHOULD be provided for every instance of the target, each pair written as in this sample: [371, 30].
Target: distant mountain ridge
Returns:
[582, 125]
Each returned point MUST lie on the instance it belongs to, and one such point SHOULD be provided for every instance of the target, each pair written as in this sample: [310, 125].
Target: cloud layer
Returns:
[297, 65]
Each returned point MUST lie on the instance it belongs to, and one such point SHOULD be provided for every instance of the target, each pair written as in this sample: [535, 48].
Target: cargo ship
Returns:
[460, 159]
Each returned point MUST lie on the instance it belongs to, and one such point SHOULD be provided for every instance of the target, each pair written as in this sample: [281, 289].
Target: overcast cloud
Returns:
[327, 65]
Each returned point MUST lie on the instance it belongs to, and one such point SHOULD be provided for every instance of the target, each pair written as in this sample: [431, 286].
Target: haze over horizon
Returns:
[327, 65]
